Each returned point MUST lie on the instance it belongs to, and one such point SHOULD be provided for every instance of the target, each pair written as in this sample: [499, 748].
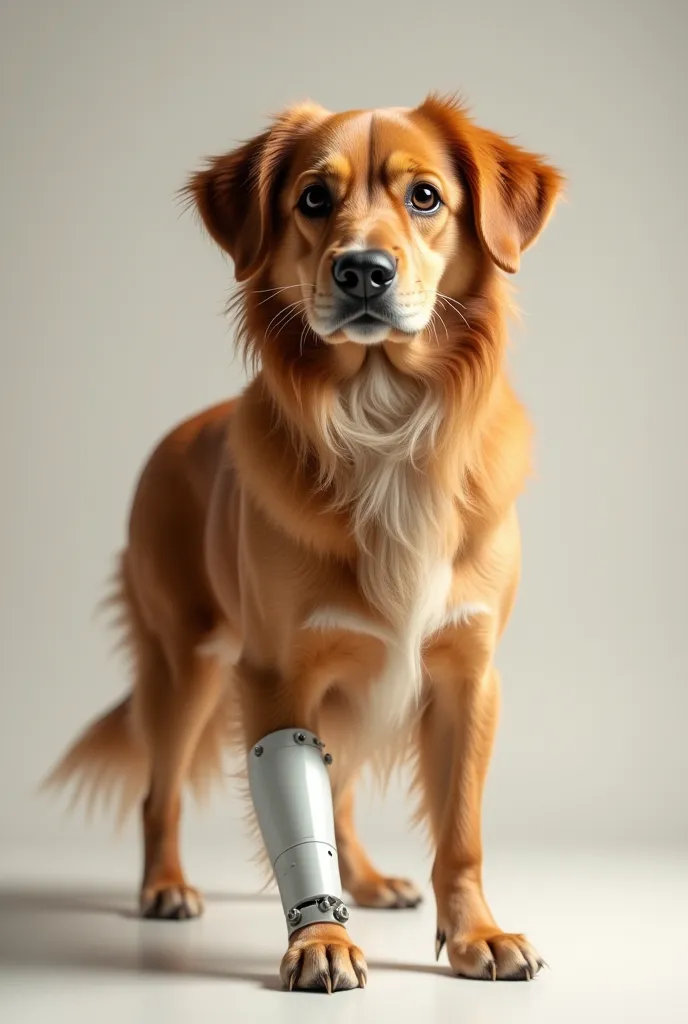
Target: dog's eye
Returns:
[315, 201]
[424, 198]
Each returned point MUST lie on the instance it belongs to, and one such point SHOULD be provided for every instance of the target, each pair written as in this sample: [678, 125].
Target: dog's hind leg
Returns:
[175, 700]
[360, 877]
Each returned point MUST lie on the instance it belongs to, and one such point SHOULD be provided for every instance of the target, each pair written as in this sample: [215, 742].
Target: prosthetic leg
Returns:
[292, 797]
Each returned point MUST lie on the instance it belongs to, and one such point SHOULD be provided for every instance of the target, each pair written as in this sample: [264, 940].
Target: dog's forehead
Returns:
[365, 142]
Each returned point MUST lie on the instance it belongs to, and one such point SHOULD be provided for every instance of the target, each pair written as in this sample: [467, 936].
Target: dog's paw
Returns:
[170, 902]
[322, 957]
[491, 956]
[386, 893]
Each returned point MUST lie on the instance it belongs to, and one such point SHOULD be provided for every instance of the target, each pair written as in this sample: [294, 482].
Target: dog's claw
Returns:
[387, 894]
[498, 957]
[361, 970]
[171, 903]
[440, 940]
[294, 977]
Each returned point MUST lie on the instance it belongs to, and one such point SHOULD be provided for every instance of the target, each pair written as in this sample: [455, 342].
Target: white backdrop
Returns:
[111, 330]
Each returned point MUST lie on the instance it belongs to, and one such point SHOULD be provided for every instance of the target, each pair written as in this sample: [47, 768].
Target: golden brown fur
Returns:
[338, 549]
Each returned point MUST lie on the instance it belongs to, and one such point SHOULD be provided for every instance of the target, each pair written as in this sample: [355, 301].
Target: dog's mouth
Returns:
[373, 328]
[366, 326]
[366, 320]
[365, 316]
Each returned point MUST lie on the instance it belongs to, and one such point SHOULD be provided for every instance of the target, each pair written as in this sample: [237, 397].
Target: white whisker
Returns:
[304, 332]
[290, 318]
[278, 291]
[445, 300]
[441, 320]
[449, 298]
[283, 314]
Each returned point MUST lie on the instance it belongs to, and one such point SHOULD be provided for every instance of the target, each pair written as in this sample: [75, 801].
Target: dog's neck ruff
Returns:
[379, 439]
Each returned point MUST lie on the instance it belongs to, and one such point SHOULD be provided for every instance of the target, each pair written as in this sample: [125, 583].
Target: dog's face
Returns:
[372, 211]
[363, 226]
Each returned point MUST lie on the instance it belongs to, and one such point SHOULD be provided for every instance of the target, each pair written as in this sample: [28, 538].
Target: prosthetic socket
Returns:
[292, 796]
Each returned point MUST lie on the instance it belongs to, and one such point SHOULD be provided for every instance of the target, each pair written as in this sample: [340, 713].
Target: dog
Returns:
[338, 548]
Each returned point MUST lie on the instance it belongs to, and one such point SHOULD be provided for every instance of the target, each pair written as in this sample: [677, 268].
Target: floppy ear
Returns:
[513, 191]
[236, 193]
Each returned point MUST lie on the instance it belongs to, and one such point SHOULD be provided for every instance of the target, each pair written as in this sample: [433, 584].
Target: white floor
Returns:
[612, 927]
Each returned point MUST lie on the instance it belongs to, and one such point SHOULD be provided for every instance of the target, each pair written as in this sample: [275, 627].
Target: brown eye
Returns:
[315, 201]
[424, 198]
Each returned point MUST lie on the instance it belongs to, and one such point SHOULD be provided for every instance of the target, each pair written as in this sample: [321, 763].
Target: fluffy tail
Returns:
[110, 761]
[106, 760]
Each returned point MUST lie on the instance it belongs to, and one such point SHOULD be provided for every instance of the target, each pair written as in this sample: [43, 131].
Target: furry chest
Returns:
[396, 691]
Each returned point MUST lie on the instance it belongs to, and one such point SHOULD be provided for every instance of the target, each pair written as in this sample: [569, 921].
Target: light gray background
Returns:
[111, 330]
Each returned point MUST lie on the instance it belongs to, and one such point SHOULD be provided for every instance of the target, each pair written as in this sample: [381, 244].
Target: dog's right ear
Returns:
[236, 194]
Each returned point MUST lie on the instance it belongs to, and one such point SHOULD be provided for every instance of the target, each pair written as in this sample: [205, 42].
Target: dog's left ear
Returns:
[513, 191]
[236, 194]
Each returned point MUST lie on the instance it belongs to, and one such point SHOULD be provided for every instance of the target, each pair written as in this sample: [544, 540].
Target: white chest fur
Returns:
[397, 691]
[381, 433]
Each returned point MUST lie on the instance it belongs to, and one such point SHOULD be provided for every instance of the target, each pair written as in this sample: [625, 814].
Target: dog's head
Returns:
[358, 228]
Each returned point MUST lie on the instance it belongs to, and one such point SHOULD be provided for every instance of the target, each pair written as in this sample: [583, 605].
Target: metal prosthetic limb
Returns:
[292, 796]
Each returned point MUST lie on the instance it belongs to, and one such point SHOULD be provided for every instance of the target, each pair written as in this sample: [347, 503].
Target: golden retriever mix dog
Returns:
[338, 549]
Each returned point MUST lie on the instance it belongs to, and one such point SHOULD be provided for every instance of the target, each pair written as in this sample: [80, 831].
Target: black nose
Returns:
[365, 274]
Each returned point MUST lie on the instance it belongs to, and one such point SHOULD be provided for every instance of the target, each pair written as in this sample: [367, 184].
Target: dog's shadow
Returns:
[53, 929]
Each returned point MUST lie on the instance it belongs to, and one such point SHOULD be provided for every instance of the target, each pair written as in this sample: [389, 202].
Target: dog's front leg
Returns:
[288, 771]
[456, 737]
